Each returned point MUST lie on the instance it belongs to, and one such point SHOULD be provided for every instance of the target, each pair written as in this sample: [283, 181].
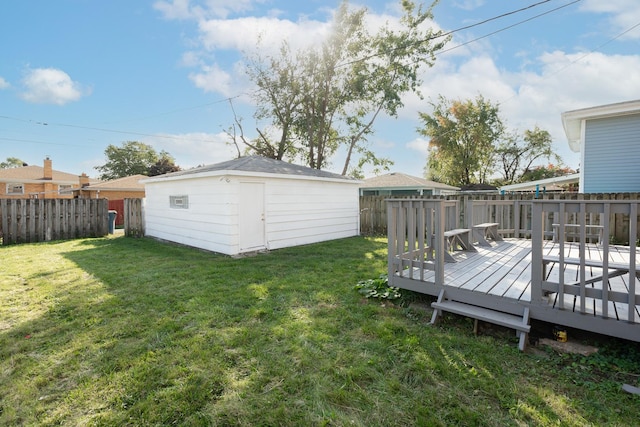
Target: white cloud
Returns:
[194, 149]
[420, 145]
[175, 9]
[243, 34]
[50, 86]
[3, 83]
[187, 9]
[212, 78]
[563, 82]
[624, 14]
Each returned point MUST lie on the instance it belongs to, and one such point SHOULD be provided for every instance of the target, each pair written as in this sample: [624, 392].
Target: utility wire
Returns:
[580, 58]
[448, 33]
[507, 27]
[44, 123]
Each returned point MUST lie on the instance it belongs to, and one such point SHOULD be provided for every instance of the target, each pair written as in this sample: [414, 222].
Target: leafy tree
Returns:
[319, 99]
[516, 156]
[132, 158]
[165, 164]
[463, 139]
[546, 171]
[12, 162]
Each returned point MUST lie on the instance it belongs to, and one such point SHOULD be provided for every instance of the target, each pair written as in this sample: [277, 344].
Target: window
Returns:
[64, 189]
[179, 202]
[15, 189]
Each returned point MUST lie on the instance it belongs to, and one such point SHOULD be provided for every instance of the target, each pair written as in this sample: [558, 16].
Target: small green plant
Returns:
[378, 288]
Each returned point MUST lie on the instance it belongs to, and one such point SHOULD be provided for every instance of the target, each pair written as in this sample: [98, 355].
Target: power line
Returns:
[95, 129]
[219, 101]
[440, 35]
[40, 142]
[580, 58]
[507, 27]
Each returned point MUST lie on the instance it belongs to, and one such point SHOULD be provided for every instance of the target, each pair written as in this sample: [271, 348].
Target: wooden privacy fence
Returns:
[134, 217]
[512, 211]
[41, 220]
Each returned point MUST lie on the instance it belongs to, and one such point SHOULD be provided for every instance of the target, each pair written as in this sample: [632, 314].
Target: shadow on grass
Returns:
[144, 332]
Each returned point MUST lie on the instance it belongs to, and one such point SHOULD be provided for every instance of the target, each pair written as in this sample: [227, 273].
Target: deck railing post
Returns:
[536, 251]
[439, 220]
[468, 212]
[391, 239]
[633, 235]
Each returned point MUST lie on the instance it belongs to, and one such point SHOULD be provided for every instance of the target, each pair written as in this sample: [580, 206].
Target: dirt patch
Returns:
[569, 347]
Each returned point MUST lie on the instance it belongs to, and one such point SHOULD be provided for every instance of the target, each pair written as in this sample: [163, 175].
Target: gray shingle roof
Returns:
[259, 164]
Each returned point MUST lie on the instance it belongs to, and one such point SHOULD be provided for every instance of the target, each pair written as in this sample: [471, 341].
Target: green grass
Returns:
[120, 331]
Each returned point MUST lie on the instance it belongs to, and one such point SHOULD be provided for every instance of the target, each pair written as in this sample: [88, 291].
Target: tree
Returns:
[463, 138]
[516, 156]
[12, 162]
[165, 164]
[319, 99]
[132, 158]
[546, 171]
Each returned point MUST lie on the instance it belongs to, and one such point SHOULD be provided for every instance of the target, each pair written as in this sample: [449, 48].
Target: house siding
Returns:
[611, 153]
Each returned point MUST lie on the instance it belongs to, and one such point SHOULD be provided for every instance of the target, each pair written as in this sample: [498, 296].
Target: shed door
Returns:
[251, 234]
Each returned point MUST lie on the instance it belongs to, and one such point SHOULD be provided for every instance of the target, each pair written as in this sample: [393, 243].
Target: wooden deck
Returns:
[513, 268]
[499, 277]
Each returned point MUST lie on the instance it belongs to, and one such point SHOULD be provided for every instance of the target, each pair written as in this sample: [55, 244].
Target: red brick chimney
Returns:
[48, 171]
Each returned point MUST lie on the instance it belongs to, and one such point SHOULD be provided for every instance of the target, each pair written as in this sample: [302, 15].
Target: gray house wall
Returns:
[611, 157]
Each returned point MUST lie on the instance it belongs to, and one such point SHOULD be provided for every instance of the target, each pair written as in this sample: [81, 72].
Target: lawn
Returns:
[121, 331]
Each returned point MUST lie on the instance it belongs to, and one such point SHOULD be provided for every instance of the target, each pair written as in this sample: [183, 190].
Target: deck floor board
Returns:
[503, 270]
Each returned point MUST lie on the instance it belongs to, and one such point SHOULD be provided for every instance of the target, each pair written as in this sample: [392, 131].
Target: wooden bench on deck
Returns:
[599, 229]
[618, 268]
[457, 239]
[484, 232]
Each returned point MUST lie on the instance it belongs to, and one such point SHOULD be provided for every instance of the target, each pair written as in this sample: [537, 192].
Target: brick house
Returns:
[128, 187]
[115, 191]
[39, 182]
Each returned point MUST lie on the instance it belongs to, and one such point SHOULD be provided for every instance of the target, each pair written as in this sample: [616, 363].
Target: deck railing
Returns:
[572, 217]
[416, 236]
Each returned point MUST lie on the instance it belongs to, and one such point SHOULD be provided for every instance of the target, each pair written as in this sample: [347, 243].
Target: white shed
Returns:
[251, 204]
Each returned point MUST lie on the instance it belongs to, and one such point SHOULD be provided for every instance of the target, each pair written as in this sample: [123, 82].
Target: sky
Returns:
[79, 75]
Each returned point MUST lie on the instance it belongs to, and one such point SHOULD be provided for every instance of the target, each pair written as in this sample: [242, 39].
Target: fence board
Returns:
[37, 220]
[373, 212]
[134, 217]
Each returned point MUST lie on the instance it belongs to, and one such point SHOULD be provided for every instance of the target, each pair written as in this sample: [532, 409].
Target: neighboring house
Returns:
[115, 191]
[128, 187]
[250, 204]
[399, 184]
[33, 182]
[558, 183]
[608, 140]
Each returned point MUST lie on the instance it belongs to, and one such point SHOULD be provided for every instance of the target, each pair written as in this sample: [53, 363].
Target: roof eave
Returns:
[572, 120]
[238, 173]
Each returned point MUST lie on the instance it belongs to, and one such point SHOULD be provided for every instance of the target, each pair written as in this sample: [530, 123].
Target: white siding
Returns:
[301, 211]
[611, 158]
[209, 223]
[298, 211]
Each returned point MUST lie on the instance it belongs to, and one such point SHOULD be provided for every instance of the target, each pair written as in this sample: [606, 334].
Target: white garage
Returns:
[251, 204]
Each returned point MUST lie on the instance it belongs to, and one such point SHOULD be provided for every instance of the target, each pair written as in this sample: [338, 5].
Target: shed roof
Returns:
[253, 165]
[401, 180]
